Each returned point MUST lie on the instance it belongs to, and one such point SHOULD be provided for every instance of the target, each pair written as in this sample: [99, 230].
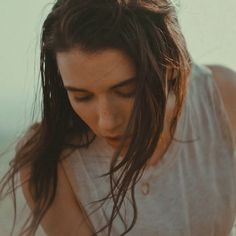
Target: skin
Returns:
[225, 79]
[107, 111]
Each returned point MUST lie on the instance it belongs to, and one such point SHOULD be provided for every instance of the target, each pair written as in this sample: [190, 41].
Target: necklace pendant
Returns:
[145, 188]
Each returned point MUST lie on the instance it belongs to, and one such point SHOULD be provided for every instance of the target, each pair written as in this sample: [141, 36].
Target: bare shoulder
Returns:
[226, 82]
[65, 216]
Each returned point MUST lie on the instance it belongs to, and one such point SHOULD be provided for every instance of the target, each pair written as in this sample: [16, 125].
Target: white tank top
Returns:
[192, 190]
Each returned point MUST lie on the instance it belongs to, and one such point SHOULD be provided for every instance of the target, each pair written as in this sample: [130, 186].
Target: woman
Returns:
[122, 96]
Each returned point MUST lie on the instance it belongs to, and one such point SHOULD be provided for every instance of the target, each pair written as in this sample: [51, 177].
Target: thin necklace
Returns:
[148, 173]
[145, 184]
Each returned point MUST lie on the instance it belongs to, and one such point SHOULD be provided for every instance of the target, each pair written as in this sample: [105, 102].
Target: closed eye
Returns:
[126, 95]
[83, 99]
[88, 98]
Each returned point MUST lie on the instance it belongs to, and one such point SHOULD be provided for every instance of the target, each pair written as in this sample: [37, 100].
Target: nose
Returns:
[109, 118]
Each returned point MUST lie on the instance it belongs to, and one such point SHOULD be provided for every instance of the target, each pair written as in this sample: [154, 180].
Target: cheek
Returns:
[127, 108]
[86, 113]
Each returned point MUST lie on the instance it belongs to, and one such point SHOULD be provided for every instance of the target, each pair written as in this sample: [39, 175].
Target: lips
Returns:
[114, 137]
[114, 141]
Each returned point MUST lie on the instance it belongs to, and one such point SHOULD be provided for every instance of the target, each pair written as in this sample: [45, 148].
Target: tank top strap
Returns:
[209, 96]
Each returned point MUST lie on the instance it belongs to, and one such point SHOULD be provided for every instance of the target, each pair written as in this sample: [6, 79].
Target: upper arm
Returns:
[226, 82]
[65, 216]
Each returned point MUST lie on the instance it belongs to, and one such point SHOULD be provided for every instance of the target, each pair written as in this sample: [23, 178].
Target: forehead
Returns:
[83, 69]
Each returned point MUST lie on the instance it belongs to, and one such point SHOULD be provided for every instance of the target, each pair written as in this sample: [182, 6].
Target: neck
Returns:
[165, 138]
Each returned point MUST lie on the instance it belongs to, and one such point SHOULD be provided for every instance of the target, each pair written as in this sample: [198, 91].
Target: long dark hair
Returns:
[149, 33]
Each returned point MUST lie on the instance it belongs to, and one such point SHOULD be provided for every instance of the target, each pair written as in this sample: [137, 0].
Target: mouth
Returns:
[114, 140]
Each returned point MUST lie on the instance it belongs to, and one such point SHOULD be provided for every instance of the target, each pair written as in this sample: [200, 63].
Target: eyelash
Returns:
[86, 99]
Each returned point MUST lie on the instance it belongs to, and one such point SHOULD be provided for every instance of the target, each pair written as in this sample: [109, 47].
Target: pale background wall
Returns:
[208, 25]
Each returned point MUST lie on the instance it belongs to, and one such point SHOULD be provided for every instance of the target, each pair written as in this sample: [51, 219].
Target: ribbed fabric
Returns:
[193, 188]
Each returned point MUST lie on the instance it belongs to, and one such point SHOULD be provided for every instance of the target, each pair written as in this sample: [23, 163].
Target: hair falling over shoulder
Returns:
[149, 33]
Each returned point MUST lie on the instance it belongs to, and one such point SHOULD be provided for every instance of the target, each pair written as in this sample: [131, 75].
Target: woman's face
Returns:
[101, 89]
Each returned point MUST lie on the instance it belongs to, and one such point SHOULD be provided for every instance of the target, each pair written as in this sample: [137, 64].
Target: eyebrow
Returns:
[118, 85]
